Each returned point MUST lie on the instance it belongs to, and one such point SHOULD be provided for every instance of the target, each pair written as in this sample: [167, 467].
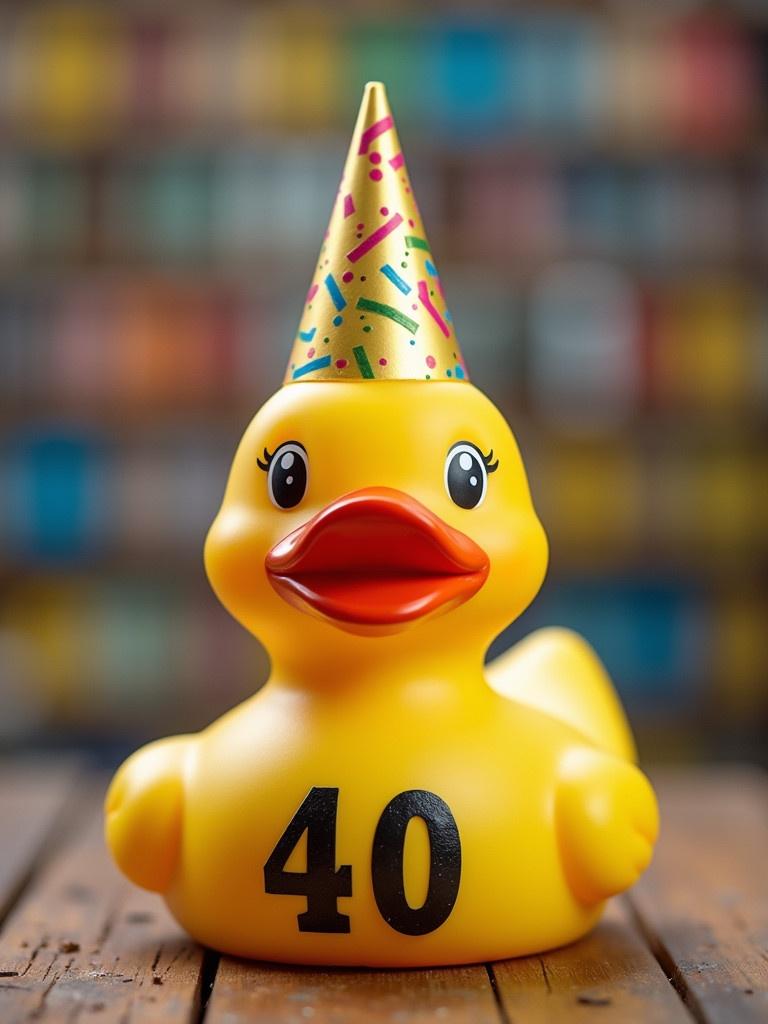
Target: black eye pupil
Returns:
[288, 478]
[465, 479]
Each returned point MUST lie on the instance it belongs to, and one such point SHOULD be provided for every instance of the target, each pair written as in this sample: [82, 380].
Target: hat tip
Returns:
[373, 106]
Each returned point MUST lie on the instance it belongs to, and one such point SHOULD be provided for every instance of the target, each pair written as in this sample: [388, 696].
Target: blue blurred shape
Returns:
[470, 76]
[56, 495]
[642, 630]
[649, 633]
[597, 206]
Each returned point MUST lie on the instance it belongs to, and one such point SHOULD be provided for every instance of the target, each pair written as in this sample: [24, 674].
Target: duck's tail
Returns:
[556, 671]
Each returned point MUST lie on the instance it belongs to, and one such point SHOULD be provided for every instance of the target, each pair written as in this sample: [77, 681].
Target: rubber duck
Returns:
[386, 799]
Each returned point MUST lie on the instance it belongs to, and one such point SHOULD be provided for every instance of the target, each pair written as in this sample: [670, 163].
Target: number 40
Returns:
[323, 883]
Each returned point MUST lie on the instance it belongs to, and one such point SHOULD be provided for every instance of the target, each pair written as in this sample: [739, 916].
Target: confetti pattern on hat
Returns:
[375, 309]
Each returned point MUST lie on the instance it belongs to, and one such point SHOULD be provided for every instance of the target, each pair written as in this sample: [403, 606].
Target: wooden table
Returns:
[79, 944]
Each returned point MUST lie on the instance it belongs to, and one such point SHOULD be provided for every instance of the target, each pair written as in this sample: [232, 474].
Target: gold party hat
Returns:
[375, 309]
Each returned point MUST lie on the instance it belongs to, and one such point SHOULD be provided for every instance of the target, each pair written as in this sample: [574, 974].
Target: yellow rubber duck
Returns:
[386, 800]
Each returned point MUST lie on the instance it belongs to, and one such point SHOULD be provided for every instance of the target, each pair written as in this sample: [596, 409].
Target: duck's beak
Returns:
[376, 557]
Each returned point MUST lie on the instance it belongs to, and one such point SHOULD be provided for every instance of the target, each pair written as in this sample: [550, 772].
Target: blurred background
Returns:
[594, 180]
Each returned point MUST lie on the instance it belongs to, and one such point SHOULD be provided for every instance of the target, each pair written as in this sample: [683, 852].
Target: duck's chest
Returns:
[482, 762]
[362, 824]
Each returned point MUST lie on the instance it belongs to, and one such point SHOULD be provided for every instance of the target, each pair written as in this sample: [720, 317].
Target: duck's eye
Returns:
[466, 474]
[287, 474]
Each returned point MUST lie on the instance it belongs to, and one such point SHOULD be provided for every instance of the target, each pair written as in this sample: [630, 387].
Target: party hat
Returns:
[375, 309]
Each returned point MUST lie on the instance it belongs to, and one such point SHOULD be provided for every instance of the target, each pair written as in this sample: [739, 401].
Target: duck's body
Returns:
[511, 776]
[385, 800]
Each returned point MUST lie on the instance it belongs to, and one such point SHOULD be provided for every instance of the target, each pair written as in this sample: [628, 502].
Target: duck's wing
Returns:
[556, 671]
[143, 809]
[607, 823]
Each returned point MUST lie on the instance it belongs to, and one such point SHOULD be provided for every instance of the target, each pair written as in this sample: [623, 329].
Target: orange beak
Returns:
[376, 557]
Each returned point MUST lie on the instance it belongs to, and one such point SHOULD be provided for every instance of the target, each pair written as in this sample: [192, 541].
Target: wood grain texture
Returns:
[34, 793]
[703, 905]
[610, 976]
[82, 944]
[265, 994]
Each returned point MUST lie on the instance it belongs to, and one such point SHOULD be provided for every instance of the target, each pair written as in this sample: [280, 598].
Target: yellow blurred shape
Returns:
[310, 68]
[48, 617]
[704, 348]
[286, 70]
[591, 499]
[725, 502]
[709, 502]
[740, 652]
[72, 71]
[257, 60]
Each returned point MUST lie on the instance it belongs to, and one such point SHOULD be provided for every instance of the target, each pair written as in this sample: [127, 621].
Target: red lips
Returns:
[376, 557]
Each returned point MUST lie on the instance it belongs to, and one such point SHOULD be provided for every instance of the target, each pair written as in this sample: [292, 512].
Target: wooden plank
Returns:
[610, 975]
[83, 943]
[264, 994]
[703, 905]
[34, 793]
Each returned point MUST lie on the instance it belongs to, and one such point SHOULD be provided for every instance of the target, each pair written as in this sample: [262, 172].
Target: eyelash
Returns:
[487, 459]
[490, 465]
[268, 456]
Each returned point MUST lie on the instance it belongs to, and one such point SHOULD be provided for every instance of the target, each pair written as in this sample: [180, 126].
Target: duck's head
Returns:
[368, 510]
[378, 501]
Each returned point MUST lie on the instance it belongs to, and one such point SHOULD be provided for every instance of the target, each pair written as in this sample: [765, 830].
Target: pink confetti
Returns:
[376, 129]
[373, 239]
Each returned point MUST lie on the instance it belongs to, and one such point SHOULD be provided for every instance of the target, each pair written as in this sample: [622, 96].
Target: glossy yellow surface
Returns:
[532, 756]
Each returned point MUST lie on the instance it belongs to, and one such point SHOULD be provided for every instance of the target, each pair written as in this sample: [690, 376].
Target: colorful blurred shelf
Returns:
[602, 232]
